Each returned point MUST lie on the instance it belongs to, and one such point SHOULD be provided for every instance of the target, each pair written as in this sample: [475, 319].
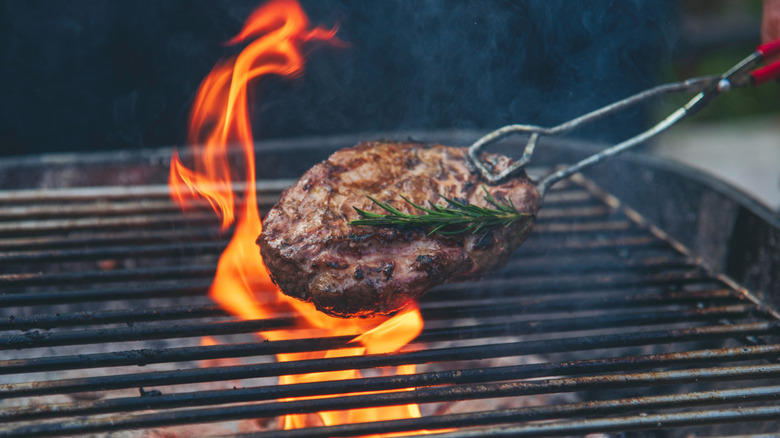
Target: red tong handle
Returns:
[768, 72]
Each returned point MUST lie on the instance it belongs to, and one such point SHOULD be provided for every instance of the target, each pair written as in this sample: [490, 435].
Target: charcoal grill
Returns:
[643, 305]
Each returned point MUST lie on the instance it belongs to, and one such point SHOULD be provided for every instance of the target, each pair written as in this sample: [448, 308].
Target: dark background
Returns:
[97, 75]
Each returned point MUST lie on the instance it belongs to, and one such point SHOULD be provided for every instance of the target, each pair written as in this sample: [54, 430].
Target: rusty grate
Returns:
[597, 325]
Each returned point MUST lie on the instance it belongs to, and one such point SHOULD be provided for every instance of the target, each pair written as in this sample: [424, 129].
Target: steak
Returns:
[314, 254]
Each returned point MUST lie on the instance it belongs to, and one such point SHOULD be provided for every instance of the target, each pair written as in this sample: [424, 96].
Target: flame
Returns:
[219, 122]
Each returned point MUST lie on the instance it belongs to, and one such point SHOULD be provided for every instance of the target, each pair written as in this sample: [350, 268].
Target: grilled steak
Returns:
[314, 254]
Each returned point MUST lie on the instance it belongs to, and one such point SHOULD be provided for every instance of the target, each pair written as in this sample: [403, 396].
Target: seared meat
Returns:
[313, 254]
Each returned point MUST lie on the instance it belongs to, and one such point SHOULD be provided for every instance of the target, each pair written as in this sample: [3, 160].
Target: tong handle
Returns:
[770, 71]
[769, 49]
[765, 74]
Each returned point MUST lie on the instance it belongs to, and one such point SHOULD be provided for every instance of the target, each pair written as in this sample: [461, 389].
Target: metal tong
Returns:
[707, 89]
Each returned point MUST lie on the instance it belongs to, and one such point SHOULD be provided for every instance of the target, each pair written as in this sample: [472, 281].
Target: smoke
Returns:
[476, 64]
[87, 74]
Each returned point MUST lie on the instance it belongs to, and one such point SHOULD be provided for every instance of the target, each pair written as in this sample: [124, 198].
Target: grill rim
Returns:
[454, 137]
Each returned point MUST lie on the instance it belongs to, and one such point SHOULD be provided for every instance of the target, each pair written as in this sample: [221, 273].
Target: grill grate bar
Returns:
[148, 207]
[420, 395]
[91, 277]
[116, 193]
[558, 194]
[35, 339]
[34, 227]
[582, 343]
[625, 245]
[38, 227]
[25, 279]
[534, 305]
[137, 237]
[582, 227]
[571, 196]
[143, 207]
[636, 422]
[57, 248]
[608, 260]
[91, 209]
[124, 316]
[205, 398]
[136, 315]
[532, 287]
[455, 292]
[526, 371]
[193, 233]
[216, 246]
[122, 252]
[517, 267]
[535, 413]
[568, 213]
[100, 215]
[544, 267]
[180, 289]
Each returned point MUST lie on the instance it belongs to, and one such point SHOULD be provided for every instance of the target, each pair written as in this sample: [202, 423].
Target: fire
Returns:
[274, 35]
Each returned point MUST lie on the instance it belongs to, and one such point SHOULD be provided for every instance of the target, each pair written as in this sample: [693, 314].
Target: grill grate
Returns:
[596, 325]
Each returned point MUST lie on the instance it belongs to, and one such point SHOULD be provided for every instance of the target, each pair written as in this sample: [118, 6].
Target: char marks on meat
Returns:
[314, 254]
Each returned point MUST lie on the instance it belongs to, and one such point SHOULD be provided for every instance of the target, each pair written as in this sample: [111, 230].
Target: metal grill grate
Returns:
[596, 325]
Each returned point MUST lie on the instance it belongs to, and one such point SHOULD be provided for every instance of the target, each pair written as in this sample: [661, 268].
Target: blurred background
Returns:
[91, 75]
[738, 137]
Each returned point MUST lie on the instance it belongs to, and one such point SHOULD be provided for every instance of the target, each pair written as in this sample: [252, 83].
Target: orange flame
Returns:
[220, 120]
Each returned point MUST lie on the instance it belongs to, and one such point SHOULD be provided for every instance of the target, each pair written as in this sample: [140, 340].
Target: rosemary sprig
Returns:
[453, 218]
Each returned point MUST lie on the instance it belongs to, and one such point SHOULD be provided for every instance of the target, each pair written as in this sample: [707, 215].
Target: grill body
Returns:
[642, 304]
